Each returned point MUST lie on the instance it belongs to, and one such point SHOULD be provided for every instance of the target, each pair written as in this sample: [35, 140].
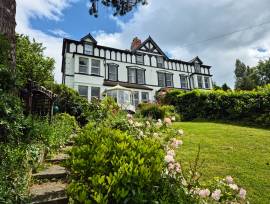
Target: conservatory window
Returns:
[83, 65]
[145, 97]
[135, 97]
[95, 67]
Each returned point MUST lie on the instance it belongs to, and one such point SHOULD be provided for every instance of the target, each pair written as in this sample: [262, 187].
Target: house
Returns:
[144, 68]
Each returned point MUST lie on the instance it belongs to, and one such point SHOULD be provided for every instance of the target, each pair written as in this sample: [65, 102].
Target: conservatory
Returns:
[123, 97]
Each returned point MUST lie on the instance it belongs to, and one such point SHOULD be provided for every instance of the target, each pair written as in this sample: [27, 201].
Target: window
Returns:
[145, 97]
[206, 82]
[165, 79]
[95, 92]
[184, 81]
[83, 91]
[136, 76]
[83, 65]
[88, 49]
[95, 67]
[135, 98]
[113, 72]
[200, 82]
[160, 62]
[139, 59]
[197, 67]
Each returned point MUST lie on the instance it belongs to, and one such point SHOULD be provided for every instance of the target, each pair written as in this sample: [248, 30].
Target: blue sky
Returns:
[172, 24]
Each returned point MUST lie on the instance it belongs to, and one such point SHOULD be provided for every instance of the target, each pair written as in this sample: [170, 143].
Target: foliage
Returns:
[248, 78]
[156, 111]
[12, 118]
[239, 105]
[224, 87]
[123, 159]
[31, 62]
[120, 7]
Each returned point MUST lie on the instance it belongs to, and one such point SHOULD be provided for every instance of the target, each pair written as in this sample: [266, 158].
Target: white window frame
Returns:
[166, 78]
[94, 87]
[83, 66]
[200, 82]
[160, 62]
[113, 72]
[88, 51]
[80, 89]
[207, 82]
[145, 100]
[184, 81]
[93, 67]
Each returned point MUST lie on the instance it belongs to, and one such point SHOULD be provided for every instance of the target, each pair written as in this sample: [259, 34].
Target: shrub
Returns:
[110, 166]
[156, 111]
[250, 106]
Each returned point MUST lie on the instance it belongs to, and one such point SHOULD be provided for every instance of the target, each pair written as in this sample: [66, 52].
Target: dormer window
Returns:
[160, 62]
[88, 49]
[139, 59]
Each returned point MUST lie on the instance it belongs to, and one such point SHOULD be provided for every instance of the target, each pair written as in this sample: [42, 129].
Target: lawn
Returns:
[242, 152]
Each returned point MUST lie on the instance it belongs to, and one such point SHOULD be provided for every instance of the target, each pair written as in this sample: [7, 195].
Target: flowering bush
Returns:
[125, 159]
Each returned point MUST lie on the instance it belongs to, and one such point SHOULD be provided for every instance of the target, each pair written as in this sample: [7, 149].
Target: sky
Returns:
[183, 29]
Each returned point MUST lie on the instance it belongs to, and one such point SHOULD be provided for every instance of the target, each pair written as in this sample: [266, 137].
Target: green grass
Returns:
[242, 152]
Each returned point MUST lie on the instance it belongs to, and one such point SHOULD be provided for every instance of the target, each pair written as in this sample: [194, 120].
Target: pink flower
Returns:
[216, 194]
[177, 167]
[204, 193]
[233, 186]
[229, 179]
[169, 159]
[170, 166]
[167, 121]
[242, 193]
[171, 152]
[176, 143]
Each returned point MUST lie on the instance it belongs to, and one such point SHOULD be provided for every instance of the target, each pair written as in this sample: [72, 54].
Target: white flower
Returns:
[147, 123]
[229, 179]
[159, 124]
[137, 124]
[159, 121]
[129, 116]
[242, 193]
[216, 194]
[180, 132]
[233, 186]
[155, 134]
[173, 118]
[169, 159]
[204, 193]
[130, 122]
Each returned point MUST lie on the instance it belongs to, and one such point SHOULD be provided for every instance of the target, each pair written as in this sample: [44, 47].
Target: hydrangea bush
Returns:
[125, 159]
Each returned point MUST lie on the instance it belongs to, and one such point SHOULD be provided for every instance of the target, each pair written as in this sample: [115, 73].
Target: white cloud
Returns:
[175, 24]
[49, 9]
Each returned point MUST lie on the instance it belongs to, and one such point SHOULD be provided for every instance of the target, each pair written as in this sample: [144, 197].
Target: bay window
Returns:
[95, 92]
[113, 72]
[207, 82]
[165, 79]
[200, 82]
[95, 67]
[136, 75]
[184, 81]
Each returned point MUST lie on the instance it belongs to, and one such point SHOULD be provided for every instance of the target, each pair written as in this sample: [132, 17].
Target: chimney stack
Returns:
[135, 43]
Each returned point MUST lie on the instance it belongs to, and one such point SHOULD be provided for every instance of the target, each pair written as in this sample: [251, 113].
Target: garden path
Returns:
[49, 184]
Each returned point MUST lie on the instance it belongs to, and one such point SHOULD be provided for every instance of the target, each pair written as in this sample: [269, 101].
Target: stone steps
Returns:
[52, 172]
[49, 192]
[57, 158]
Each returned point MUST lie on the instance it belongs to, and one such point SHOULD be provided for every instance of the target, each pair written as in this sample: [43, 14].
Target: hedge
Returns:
[242, 106]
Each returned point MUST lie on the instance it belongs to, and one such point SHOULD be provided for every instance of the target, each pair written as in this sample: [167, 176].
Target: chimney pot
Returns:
[135, 43]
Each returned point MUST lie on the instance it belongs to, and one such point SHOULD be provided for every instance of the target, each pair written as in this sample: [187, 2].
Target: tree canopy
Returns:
[247, 78]
[31, 62]
[120, 7]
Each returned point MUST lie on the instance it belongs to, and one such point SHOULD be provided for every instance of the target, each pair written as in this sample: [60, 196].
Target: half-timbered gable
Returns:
[144, 68]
